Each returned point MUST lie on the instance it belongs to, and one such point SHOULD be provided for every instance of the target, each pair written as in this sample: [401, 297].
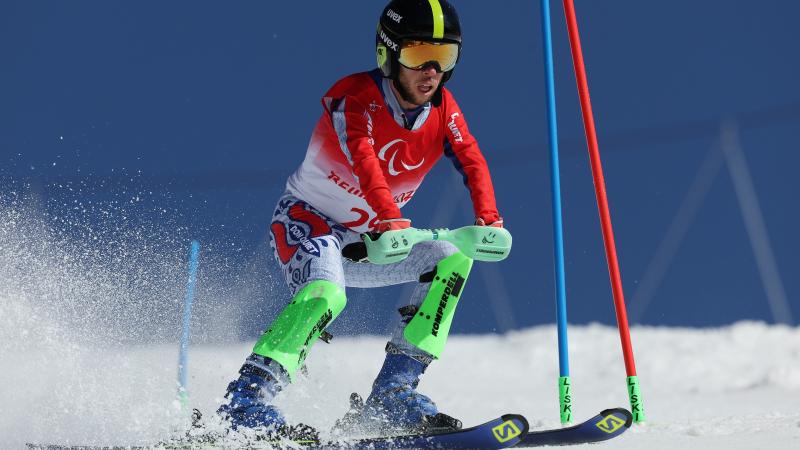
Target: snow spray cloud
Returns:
[95, 268]
[87, 276]
[81, 279]
[106, 259]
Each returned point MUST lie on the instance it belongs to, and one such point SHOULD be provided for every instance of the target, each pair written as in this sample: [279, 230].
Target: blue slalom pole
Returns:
[183, 357]
[564, 382]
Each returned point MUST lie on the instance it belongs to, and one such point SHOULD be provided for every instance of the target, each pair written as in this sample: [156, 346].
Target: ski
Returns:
[606, 425]
[502, 432]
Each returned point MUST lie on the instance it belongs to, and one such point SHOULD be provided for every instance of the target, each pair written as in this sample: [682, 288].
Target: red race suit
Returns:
[362, 166]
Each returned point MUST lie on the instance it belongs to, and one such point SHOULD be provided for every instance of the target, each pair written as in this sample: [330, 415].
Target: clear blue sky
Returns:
[210, 104]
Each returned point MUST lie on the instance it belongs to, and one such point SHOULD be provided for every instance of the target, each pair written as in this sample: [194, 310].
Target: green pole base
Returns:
[565, 399]
[183, 400]
[635, 395]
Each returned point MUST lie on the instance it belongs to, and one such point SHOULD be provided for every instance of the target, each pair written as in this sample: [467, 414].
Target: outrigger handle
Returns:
[481, 243]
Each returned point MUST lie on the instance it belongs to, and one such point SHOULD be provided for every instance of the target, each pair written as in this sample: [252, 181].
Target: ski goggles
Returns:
[417, 54]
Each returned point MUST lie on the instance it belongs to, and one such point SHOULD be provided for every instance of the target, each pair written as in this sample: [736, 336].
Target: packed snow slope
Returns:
[735, 387]
[89, 316]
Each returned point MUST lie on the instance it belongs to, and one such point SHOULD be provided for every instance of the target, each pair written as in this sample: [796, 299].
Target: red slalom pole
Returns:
[634, 391]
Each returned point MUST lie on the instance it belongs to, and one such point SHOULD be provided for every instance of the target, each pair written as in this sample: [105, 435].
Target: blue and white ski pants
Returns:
[308, 246]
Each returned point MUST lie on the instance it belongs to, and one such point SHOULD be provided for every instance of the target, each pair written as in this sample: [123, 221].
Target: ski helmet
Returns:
[402, 21]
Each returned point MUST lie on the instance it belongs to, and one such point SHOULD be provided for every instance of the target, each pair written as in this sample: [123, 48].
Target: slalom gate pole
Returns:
[183, 358]
[564, 382]
[634, 392]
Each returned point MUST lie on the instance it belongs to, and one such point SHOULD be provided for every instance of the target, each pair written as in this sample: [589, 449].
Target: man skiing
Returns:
[379, 135]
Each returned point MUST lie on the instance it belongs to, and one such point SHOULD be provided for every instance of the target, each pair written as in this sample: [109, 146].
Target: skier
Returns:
[379, 135]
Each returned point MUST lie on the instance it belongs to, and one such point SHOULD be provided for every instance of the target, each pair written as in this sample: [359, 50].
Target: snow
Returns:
[734, 387]
[83, 358]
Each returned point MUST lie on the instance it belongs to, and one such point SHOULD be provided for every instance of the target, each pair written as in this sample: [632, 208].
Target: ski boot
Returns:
[249, 407]
[394, 406]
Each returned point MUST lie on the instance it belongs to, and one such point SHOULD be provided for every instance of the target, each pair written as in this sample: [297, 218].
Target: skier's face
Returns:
[416, 87]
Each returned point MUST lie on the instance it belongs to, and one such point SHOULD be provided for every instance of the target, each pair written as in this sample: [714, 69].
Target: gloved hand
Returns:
[383, 226]
[497, 223]
[391, 225]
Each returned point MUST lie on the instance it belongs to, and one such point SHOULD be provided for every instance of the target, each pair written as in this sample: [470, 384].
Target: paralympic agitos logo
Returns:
[392, 150]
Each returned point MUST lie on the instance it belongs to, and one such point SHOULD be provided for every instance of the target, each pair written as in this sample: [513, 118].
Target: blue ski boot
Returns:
[394, 405]
[250, 396]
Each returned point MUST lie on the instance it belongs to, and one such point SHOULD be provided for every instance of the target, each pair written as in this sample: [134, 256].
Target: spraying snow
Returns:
[84, 359]
[728, 388]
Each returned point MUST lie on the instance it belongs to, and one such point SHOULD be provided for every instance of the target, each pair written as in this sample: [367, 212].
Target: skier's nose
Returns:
[429, 70]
